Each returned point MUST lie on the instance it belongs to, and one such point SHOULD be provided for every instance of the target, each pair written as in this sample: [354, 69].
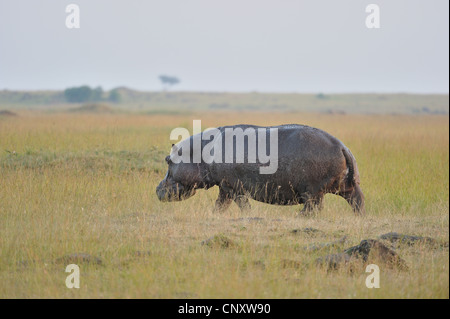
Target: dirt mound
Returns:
[368, 251]
[219, 241]
[92, 108]
[409, 240]
[323, 246]
[7, 113]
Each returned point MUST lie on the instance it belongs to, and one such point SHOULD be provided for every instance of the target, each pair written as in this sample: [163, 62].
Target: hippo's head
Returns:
[181, 180]
[174, 186]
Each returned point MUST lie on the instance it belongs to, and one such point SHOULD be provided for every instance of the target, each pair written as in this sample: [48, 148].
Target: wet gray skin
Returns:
[311, 163]
[169, 190]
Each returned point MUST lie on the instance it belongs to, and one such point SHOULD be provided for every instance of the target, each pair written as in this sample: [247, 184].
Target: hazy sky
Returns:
[227, 45]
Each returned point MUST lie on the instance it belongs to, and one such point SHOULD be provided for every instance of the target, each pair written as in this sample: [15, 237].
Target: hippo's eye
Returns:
[168, 159]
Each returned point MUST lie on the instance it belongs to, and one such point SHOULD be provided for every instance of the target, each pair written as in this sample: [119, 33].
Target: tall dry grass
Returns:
[86, 183]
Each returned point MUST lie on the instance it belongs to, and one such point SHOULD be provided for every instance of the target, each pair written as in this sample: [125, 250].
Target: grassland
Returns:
[85, 183]
[186, 102]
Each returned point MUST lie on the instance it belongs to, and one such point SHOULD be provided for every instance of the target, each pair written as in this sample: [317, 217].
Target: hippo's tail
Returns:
[354, 196]
[352, 177]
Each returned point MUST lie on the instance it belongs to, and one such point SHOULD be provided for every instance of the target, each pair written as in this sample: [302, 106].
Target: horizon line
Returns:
[236, 92]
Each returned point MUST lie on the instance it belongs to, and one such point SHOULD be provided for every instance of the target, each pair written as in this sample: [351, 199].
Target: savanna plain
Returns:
[84, 183]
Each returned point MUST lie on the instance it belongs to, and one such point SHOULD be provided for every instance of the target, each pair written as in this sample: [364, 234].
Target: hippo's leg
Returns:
[223, 201]
[312, 204]
[242, 202]
[355, 198]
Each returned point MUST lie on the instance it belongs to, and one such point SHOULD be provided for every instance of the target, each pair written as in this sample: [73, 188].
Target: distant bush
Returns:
[114, 96]
[7, 113]
[83, 94]
[97, 94]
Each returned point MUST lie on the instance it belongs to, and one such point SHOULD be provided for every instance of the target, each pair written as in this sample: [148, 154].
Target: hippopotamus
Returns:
[309, 164]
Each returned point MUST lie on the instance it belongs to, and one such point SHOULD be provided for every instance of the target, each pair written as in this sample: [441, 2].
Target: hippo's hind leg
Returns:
[242, 202]
[355, 198]
[312, 204]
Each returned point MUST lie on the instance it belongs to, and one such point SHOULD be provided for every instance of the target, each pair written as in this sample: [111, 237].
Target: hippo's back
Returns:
[309, 160]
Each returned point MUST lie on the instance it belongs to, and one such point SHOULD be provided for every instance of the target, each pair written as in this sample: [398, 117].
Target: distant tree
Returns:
[114, 96]
[168, 81]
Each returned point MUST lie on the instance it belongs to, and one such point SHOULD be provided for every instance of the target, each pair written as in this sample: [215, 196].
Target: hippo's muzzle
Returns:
[171, 191]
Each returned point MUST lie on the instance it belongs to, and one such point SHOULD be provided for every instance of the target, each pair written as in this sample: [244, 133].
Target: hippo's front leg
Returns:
[226, 197]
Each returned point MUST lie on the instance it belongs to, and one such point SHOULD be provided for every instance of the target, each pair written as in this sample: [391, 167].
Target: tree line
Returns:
[85, 93]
